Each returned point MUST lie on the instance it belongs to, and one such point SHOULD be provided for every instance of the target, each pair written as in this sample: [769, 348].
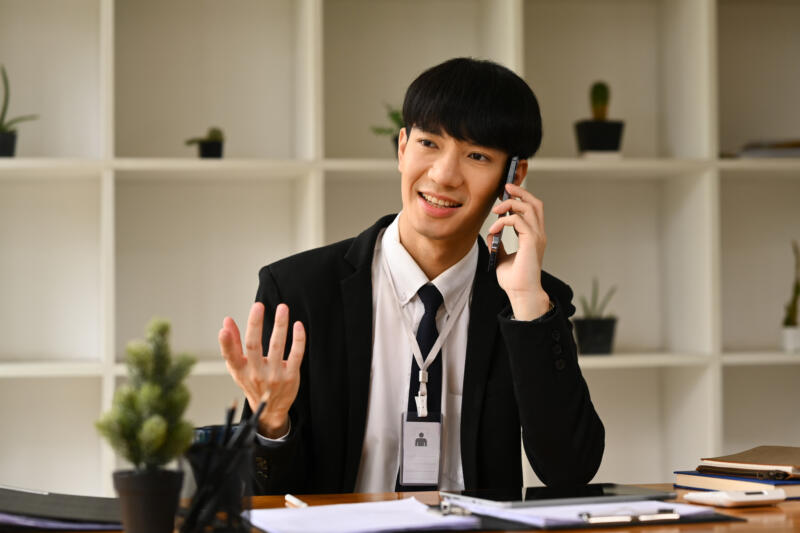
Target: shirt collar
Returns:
[408, 277]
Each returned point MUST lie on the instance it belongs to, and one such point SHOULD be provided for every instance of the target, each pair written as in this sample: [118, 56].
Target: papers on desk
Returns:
[395, 515]
[579, 515]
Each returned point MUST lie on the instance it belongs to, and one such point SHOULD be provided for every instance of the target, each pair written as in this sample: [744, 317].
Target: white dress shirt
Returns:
[391, 361]
[390, 373]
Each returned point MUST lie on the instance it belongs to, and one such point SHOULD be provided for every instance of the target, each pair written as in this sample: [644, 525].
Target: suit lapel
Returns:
[356, 310]
[487, 301]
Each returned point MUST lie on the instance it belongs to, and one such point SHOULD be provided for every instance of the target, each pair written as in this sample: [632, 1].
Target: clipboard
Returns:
[641, 513]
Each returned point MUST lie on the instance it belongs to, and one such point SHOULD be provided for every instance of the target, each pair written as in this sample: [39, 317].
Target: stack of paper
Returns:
[395, 515]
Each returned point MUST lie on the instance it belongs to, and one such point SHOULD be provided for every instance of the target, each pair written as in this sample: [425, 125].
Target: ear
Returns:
[402, 142]
[522, 171]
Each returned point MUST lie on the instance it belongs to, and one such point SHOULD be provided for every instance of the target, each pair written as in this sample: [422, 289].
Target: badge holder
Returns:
[420, 449]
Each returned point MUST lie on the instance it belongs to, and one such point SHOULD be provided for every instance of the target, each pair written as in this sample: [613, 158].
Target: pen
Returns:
[294, 501]
[512, 170]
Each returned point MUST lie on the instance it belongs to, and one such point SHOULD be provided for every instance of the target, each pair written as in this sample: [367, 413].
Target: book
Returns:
[777, 462]
[691, 479]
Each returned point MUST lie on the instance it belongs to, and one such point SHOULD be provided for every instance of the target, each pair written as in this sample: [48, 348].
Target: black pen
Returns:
[228, 421]
[512, 170]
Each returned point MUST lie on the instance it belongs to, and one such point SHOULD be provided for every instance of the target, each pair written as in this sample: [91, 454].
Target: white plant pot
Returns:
[791, 339]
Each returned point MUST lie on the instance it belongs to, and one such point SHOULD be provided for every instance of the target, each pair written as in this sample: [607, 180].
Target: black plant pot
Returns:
[210, 149]
[595, 335]
[8, 142]
[148, 499]
[599, 135]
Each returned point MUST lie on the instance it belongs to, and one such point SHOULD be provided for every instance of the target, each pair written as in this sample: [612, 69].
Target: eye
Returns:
[427, 143]
[477, 156]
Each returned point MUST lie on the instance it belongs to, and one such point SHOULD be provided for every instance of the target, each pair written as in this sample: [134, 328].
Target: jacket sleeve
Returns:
[561, 432]
[282, 467]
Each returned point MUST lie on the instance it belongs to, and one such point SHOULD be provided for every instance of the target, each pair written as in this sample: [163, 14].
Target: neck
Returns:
[433, 256]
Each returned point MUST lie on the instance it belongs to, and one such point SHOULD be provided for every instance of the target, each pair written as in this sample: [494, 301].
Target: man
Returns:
[344, 387]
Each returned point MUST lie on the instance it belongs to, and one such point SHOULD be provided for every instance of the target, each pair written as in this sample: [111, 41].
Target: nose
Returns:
[446, 170]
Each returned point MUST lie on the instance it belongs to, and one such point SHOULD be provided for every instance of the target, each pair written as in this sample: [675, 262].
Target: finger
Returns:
[298, 347]
[528, 197]
[529, 212]
[252, 335]
[230, 325]
[230, 351]
[515, 221]
[277, 341]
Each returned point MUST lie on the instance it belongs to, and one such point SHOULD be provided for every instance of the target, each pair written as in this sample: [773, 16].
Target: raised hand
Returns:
[520, 273]
[270, 377]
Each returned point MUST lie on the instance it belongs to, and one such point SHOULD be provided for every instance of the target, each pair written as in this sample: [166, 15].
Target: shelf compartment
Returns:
[184, 66]
[51, 52]
[758, 223]
[657, 420]
[50, 268]
[355, 201]
[758, 45]
[190, 251]
[396, 31]
[61, 442]
[760, 406]
[652, 238]
[653, 55]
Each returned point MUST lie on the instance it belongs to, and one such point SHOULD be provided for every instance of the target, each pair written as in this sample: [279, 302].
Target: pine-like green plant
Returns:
[599, 96]
[395, 117]
[145, 424]
[790, 320]
[594, 309]
[8, 126]
[213, 134]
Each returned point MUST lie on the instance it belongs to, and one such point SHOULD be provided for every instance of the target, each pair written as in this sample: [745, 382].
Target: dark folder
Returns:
[66, 507]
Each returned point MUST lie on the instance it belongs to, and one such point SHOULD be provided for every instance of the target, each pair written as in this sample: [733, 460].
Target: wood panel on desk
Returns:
[781, 518]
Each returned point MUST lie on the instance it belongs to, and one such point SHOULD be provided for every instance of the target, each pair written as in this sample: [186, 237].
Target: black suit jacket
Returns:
[516, 374]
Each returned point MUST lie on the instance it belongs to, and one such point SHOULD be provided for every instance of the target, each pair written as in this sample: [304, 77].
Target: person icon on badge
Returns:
[421, 440]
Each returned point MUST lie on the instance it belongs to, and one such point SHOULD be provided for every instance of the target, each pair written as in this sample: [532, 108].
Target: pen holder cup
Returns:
[223, 479]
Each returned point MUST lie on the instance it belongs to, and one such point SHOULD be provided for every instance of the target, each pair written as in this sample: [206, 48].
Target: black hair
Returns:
[477, 101]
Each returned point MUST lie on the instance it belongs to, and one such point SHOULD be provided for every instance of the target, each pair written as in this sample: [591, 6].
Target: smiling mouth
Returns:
[438, 202]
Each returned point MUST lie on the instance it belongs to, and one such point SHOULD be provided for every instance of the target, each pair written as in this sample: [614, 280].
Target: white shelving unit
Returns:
[107, 219]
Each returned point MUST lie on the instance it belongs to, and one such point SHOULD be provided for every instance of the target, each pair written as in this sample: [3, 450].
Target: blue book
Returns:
[691, 479]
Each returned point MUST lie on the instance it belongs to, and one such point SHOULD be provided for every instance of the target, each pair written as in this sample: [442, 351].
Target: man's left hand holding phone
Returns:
[271, 378]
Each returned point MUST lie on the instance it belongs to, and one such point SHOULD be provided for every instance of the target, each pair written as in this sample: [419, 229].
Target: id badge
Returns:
[421, 447]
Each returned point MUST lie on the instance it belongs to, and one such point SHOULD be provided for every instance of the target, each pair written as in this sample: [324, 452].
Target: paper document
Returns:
[394, 515]
[568, 515]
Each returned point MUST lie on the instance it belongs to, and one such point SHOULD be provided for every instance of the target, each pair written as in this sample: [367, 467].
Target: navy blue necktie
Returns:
[426, 337]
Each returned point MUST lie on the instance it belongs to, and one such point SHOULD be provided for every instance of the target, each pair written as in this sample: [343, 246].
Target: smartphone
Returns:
[511, 170]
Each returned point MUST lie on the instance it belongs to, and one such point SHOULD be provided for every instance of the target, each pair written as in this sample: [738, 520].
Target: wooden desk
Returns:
[783, 518]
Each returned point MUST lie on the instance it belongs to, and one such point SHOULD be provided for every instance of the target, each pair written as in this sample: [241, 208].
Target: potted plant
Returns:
[145, 425]
[209, 146]
[791, 328]
[595, 332]
[8, 133]
[599, 134]
[396, 118]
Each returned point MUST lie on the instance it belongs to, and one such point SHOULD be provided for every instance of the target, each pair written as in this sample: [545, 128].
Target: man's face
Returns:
[448, 185]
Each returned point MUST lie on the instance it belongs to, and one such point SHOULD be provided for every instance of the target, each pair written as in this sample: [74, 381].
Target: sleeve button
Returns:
[560, 364]
[557, 349]
[555, 335]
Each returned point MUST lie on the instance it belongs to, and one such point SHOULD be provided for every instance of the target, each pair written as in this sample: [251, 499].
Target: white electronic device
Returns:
[736, 498]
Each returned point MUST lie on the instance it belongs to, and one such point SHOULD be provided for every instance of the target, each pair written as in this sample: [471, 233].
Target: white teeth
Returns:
[438, 202]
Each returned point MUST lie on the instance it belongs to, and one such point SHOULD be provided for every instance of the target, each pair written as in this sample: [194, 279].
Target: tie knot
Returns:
[431, 298]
